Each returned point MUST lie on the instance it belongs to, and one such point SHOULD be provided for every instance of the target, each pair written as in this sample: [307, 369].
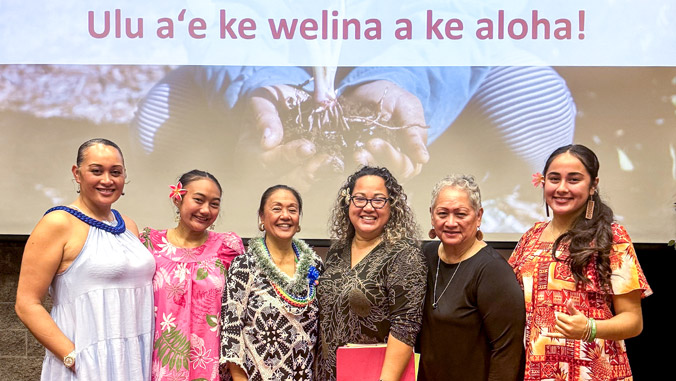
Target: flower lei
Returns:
[177, 191]
[304, 280]
[538, 180]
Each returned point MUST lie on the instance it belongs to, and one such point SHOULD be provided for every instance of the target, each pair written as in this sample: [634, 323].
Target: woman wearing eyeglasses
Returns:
[374, 284]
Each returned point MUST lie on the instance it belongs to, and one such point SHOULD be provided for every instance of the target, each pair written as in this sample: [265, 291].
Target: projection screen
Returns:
[245, 90]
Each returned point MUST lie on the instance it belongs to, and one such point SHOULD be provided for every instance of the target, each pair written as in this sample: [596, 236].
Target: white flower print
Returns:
[200, 357]
[161, 276]
[181, 271]
[168, 322]
[158, 369]
[166, 247]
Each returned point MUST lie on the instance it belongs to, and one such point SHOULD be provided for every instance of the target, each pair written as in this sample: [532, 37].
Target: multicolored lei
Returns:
[293, 300]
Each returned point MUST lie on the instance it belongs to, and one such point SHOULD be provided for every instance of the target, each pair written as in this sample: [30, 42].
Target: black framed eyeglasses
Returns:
[376, 202]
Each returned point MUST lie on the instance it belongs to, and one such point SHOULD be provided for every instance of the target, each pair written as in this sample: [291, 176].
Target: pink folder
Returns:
[364, 362]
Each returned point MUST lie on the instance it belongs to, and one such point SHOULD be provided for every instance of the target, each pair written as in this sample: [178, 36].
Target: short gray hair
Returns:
[463, 182]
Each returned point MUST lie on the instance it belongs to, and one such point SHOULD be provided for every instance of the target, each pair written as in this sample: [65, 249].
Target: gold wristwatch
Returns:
[69, 360]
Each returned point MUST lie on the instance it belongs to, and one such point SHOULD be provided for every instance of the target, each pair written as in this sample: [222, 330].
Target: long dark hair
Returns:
[588, 239]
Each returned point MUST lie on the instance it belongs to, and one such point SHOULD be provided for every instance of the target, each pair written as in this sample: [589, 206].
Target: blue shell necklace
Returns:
[117, 229]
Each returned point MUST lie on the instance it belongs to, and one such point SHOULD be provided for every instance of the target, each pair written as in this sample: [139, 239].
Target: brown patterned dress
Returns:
[382, 294]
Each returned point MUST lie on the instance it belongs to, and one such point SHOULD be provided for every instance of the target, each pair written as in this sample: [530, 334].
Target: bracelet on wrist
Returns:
[586, 333]
[592, 333]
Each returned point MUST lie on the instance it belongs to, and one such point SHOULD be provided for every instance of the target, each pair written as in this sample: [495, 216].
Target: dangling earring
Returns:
[479, 234]
[177, 217]
[432, 234]
[212, 227]
[547, 209]
[78, 188]
[589, 213]
[298, 230]
[261, 227]
[122, 193]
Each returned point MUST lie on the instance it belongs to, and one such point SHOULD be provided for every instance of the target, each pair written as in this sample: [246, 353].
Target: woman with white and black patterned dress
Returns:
[269, 316]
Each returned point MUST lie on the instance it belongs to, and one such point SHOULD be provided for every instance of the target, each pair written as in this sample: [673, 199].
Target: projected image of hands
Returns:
[303, 126]
[296, 125]
[306, 136]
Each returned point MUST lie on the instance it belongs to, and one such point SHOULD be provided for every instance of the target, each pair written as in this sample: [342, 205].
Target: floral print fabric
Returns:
[188, 286]
[548, 285]
[381, 294]
[263, 334]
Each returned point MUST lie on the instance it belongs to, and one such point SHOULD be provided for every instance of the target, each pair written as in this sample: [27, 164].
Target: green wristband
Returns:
[592, 336]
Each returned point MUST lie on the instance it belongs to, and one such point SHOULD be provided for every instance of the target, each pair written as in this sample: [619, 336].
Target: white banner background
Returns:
[590, 33]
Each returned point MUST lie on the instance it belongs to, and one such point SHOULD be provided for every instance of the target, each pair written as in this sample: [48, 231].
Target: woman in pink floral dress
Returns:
[192, 263]
[581, 278]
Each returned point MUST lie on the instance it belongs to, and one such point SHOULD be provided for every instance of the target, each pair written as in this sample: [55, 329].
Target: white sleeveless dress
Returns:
[104, 303]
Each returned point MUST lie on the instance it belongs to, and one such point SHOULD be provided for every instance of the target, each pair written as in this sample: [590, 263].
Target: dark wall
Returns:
[21, 355]
[648, 352]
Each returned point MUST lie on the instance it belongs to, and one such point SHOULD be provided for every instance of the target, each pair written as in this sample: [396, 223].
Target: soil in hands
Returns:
[338, 128]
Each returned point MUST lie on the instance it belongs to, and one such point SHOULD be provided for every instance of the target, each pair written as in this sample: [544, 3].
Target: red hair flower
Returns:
[538, 180]
[177, 191]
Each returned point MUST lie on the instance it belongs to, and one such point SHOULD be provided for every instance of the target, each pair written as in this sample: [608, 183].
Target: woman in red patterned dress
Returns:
[582, 281]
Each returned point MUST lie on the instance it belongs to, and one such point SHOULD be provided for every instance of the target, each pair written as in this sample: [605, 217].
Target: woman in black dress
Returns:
[474, 315]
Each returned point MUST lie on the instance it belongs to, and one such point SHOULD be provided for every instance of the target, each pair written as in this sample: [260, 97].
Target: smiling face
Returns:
[199, 207]
[281, 215]
[453, 217]
[368, 222]
[101, 175]
[568, 185]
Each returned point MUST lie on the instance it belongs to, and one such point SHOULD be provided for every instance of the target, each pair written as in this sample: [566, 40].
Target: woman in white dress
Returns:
[99, 277]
